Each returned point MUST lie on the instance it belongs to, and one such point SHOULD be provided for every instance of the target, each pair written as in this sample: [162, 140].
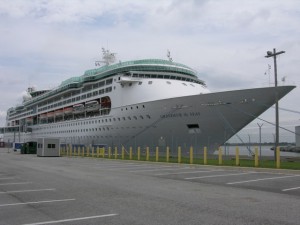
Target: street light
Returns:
[274, 54]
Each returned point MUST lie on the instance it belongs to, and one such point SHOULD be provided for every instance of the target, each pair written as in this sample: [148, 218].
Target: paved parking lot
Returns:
[35, 190]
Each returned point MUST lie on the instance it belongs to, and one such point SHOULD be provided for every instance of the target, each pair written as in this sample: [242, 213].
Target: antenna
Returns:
[169, 55]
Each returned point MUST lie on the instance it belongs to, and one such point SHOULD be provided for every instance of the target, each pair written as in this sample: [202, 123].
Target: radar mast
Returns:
[107, 58]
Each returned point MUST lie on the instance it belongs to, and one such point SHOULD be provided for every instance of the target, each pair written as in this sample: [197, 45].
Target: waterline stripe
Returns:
[69, 220]
[21, 191]
[269, 178]
[30, 203]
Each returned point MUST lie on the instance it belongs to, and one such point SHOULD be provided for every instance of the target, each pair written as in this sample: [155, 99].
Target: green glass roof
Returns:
[149, 65]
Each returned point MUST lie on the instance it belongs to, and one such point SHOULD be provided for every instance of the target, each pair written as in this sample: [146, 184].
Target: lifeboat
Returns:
[58, 112]
[43, 116]
[68, 111]
[29, 120]
[50, 114]
[92, 106]
[79, 108]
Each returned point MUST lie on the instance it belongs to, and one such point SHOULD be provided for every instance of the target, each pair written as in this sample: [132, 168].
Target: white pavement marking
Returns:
[7, 178]
[70, 220]
[39, 202]
[290, 189]
[187, 172]
[119, 167]
[269, 178]
[220, 175]
[21, 191]
[160, 168]
[15, 183]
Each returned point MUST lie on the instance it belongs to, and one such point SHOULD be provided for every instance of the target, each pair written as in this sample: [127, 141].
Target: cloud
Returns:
[44, 42]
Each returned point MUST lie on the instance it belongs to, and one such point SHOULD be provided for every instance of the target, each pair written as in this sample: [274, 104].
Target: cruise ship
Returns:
[145, 103]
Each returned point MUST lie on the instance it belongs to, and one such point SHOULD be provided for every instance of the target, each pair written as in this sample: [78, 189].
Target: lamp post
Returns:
[274, 54]
[260, 125]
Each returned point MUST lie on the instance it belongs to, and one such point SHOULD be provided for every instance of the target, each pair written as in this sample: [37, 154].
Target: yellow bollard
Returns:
[256, 157]
[103, 152]
[220, 156]
[237, 156]
[179, 154]
[278, 157]
[156, 154]
[167, 154]
[147, 154]
[123, 152]
[191, 155]
[116, 152]
[205, 156]
[130, 153]
[93, 153]
[139, 153]
[109, 152]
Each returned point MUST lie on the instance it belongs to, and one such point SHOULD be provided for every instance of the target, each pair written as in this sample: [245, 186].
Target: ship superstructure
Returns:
[150, 102]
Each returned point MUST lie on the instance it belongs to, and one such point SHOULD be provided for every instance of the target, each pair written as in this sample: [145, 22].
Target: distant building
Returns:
[297, 131]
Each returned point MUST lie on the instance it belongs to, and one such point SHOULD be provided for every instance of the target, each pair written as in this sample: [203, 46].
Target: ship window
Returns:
[150, 82]
[184, 84]
[153, 76]
[101, 84]
[148, 116]
[124, 118]
[168, 82]
[134, 75]
[140, 83]
[108, 89]
[141, 117]
[95, 85]
[129, 117]
[141, 75]
[192, 85]
[109, 81]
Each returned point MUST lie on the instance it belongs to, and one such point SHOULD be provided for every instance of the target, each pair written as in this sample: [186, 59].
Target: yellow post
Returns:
[147, 154]
[278, 157]
[130, 153]
[256, 157]
[123, 152]
[139, 153]
[97, 152]
[116, 152]
[109, 152]
[102, 152]
[237, 156]
[220, 156]
[191, 155]
[167, 154]
[156, 154]
[205, 156]
[93, 151]
[179, 154]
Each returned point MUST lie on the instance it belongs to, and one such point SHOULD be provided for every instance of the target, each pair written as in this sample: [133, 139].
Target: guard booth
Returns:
[48, 147]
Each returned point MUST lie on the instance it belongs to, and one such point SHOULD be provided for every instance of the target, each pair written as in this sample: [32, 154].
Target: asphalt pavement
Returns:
[75, 190]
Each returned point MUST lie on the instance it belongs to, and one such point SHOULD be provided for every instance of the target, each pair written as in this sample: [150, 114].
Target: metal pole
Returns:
[274, 54]
[260, 125]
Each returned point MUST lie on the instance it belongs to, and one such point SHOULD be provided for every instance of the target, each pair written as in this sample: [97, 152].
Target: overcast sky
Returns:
[45, 42]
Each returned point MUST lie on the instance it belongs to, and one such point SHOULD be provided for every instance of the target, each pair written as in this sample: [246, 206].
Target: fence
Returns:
[163, 155]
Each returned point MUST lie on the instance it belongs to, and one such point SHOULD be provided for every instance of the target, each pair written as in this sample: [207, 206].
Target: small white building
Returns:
[297, 131]
[48, 147]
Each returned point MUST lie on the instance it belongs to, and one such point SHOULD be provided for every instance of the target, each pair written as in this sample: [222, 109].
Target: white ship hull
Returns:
[198, 120]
